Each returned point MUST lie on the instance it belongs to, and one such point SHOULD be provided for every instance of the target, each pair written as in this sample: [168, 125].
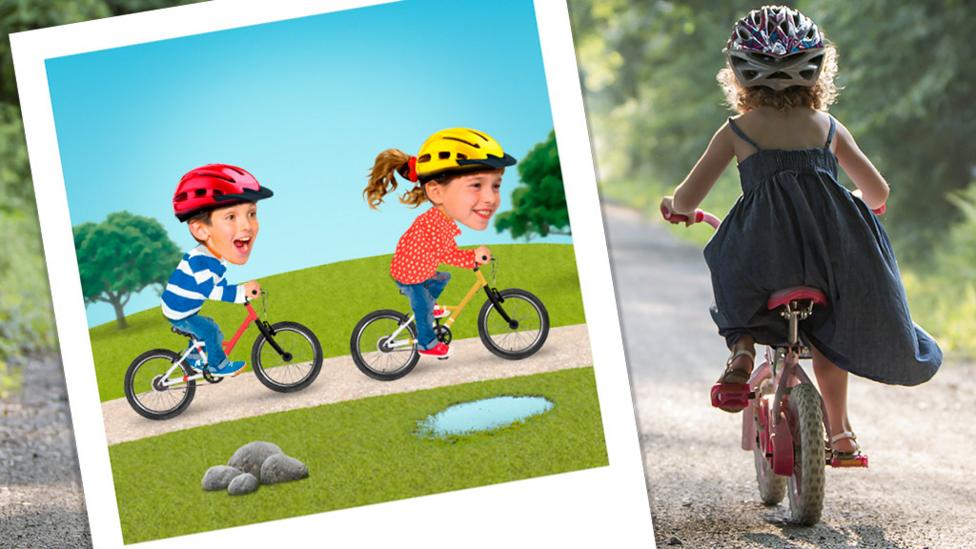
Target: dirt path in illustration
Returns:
[41, 500]
[340, 380]
[918, 493]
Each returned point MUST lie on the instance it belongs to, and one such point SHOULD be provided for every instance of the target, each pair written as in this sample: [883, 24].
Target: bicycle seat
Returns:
[797, 293]
[182, 333]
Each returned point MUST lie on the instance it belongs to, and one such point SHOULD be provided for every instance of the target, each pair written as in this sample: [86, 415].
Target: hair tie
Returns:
[412, 165]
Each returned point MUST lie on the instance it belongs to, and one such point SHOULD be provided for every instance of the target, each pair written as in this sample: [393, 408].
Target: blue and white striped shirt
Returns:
[198, 277]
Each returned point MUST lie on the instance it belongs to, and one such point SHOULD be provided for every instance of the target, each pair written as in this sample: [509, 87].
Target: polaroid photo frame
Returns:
[60, 70]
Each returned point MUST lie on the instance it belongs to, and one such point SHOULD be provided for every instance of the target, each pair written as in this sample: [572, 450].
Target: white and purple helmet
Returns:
[776, 46]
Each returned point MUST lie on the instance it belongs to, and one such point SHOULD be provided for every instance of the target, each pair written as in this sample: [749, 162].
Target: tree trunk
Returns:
[119, 314]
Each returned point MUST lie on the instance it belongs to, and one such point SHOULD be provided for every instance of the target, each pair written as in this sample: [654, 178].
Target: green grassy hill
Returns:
[330, 299]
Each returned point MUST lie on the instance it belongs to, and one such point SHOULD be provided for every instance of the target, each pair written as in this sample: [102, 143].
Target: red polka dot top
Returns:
[428, 243]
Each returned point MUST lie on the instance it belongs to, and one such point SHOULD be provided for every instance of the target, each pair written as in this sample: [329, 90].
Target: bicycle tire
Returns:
[523, 344]
[368, 355]
[806, 484]
[140, 401]
[268, 374]
[772, 487]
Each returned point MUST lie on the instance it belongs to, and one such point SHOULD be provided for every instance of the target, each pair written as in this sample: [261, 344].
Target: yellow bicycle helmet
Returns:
[457, 150]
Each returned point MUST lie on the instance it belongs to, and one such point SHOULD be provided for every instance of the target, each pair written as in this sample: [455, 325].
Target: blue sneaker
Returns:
[227, 368]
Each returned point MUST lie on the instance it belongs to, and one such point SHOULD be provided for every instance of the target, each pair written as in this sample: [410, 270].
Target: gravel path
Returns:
[339, 380]
[919, 491]
[41, 500]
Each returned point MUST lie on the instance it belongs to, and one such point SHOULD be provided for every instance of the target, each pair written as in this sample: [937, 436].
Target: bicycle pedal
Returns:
[731, 396]
[860, 460]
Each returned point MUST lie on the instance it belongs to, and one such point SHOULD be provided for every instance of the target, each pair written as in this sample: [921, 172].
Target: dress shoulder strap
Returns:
[830, 133]
[742, 134]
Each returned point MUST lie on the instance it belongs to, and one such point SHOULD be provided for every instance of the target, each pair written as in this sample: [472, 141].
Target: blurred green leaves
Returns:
[26, 323]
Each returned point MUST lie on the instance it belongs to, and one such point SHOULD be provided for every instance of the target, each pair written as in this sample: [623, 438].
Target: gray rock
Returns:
[251, 456]
[218, 477]
[281, 468]
[243, 484]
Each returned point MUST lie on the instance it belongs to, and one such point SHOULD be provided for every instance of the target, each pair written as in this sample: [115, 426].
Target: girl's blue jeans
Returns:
[422, 297]
[207, 331]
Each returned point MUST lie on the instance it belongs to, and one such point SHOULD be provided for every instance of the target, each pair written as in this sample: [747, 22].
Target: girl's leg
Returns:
[437, 283]
[833, 386]
[422, 304]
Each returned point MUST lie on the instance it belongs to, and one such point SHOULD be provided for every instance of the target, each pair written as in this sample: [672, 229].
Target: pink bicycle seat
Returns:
[797, 293]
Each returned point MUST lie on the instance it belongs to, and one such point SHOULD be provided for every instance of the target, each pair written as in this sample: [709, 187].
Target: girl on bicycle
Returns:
[459, 171]
[795, 225]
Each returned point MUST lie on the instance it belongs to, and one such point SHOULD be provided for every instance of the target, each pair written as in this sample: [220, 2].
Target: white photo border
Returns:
[579, 509]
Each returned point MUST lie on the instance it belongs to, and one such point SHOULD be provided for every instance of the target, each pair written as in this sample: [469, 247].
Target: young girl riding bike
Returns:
[795, 225]
[459, 171]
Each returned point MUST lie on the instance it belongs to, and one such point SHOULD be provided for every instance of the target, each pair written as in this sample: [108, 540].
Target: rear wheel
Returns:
[296, 367]
[375, 350]
[806, 484]
[150, 392]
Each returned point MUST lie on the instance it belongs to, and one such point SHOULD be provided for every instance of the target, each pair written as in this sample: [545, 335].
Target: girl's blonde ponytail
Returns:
[381, 178]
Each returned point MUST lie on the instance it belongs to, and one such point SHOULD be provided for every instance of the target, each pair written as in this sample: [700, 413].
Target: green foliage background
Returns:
[908, 78]
[539, 203]
[26, 323]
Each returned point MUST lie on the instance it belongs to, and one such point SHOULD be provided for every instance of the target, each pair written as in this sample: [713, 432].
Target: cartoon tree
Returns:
[121, 256]
[539, 204]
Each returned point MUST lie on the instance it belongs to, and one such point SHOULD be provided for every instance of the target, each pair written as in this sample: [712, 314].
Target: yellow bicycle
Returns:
[513, 324]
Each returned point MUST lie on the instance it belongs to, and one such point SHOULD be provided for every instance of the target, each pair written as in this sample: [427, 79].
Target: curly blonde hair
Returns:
[382, 179]
[820, 96]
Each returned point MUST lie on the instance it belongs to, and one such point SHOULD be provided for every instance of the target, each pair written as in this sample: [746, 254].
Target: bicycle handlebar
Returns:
[698, 217]
[702, 215]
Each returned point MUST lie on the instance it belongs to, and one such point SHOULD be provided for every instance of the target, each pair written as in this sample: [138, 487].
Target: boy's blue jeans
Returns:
[207, 331]
[422, 297]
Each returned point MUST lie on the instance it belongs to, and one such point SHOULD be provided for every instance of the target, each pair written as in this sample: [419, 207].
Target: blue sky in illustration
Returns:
[305, 105]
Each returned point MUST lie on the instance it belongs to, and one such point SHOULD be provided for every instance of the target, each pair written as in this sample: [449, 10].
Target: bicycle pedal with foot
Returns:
[860, 460]
[731, 396]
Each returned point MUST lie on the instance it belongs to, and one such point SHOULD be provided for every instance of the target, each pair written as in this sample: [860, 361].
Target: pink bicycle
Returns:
[786, 423]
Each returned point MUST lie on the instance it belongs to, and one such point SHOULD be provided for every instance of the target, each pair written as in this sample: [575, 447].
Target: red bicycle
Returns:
[285, 356]
[786, 423]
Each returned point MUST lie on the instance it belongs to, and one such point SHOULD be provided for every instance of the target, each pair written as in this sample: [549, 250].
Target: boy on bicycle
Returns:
[218, 204]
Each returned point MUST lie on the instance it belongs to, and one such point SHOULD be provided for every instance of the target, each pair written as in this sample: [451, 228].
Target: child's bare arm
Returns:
[709, 167]
[873, 187]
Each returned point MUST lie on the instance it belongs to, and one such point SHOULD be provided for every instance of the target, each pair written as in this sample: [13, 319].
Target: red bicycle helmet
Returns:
[215, 186]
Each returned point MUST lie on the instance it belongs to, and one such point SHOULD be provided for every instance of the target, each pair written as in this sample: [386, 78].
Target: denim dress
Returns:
[795, 225]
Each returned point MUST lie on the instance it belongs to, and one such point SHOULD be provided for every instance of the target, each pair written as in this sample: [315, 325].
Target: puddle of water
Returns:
[482, 415]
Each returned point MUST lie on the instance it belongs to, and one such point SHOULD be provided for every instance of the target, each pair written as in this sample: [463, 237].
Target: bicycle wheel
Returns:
[375, 351]
[297, 367]
[523, 336]
[806, 485]
[772, 487]
[144, 388]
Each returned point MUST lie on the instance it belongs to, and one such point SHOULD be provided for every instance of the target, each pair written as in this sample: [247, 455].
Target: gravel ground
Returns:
[918, 492]
[41, 500]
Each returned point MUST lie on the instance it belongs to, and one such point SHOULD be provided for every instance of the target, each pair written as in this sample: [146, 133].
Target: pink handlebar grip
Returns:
[699, 216]
[880, 210]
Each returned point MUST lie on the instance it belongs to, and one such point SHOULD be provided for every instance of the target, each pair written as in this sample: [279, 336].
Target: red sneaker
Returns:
[440, 351]
[441, 312]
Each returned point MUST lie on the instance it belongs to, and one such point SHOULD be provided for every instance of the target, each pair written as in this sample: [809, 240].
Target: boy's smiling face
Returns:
[231, 232]
[471, 199]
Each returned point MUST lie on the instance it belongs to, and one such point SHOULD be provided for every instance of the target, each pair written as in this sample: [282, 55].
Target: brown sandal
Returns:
[737, 375]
